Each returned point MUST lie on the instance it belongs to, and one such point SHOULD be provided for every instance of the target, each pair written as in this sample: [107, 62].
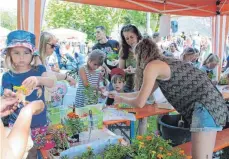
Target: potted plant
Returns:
[144, 147]
[155, 147]
[74, 126]
[60, 139]
[91, 94]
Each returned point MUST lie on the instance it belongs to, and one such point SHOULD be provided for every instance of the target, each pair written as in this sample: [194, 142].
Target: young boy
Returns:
[118, 83]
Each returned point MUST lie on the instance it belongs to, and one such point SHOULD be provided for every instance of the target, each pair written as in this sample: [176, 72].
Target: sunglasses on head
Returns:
[52, 45]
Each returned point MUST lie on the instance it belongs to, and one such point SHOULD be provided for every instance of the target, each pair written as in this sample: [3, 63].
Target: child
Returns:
[20, 61]
[89, 79]
[118, 82]
[103, 85]
[209, 66]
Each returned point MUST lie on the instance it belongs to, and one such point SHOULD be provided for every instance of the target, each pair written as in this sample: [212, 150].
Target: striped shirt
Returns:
[93, 79]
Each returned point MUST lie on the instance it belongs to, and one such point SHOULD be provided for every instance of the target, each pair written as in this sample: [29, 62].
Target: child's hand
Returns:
[30, 83]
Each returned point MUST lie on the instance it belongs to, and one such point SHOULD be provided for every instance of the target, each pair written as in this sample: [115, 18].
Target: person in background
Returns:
[130, 36]
[209, 66]
[202, 106]
[47, 41]
[174, 50]
[197, 63]
[109, 47]
[68, 61]
[156, 37]
[183, 36]
[46, 49]
[15, 144]
[189, 55]
[89, 77]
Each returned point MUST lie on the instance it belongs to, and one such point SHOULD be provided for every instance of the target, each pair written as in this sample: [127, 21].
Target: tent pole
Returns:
[216, 51]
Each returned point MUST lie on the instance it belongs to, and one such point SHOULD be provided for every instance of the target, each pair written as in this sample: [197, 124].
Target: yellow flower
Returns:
[141, 144]
[59, 126]
[148, 138]
[153, 152]
[89, 148]
[159, 156]
[169, 154]
[139, 137]
[161, 148]
[189, 157]
[115, 49]
[181, 152]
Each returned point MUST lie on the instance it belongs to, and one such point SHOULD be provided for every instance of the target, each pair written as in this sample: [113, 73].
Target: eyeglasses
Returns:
[52, 45]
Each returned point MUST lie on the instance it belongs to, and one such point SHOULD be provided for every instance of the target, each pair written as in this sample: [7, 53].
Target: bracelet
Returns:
[66, 77]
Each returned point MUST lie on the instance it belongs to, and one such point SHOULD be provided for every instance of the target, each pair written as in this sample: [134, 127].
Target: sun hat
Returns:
[117, 71]
[20, 38]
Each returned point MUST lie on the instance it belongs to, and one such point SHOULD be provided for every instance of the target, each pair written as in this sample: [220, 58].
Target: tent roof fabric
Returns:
[177, 7]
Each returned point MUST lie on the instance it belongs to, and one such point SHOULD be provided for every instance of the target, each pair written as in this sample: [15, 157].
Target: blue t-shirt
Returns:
[10, 79]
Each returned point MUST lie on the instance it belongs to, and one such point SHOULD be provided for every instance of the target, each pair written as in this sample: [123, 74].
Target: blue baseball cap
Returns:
[20, 38]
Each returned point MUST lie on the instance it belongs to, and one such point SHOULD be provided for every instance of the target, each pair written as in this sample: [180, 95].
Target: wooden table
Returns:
[225, 95]
[140, 113]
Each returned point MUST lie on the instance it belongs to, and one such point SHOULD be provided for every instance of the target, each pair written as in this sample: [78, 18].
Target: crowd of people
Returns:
[126, 72]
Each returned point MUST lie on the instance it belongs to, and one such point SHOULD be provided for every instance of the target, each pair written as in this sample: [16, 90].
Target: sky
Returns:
[8, 4]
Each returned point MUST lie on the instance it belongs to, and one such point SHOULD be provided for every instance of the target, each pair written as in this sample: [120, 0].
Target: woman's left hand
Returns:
[30, 83]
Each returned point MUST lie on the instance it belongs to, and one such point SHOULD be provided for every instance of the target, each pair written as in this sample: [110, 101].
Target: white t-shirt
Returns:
[51, 61]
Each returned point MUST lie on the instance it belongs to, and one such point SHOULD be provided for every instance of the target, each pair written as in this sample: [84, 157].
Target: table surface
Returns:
[146, 111]
[225, 95]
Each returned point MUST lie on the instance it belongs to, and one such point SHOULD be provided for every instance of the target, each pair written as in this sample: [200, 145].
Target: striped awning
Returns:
[30, 16]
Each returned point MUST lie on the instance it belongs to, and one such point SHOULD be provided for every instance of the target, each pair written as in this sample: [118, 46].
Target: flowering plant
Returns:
[73, 124]
[155, 147]
[60, 139]
[144, 147]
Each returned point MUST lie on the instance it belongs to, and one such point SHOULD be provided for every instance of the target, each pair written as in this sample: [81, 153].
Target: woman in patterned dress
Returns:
[187, 88]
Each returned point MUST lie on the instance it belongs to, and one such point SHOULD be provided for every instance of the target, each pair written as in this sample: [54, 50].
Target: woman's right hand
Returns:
[9, 103]
[36, 107]
[112, 94]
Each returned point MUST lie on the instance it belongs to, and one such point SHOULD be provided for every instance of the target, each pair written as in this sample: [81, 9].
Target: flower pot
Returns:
[75, 138]
[169, 130]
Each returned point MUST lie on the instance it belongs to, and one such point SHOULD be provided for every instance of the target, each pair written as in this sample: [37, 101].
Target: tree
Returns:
[86, 17]
[8, 20]
[138, 18]
[80, 17]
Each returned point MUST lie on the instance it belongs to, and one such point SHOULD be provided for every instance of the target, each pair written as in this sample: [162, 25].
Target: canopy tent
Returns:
[64, 34]
[176, 7]
[29, 10]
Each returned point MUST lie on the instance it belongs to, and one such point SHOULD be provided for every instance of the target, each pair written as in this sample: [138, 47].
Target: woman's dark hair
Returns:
[124, 45]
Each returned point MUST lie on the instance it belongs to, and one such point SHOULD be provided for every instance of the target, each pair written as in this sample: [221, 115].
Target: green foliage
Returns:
[86, 17]
[143, 147]
[8, 20]
[74, 126]
[123, 105]
[112, 56]
[91, 95]
[80, 17]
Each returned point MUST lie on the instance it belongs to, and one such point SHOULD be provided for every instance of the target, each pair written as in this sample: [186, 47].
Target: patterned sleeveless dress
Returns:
[93, 79]
[188, 85]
